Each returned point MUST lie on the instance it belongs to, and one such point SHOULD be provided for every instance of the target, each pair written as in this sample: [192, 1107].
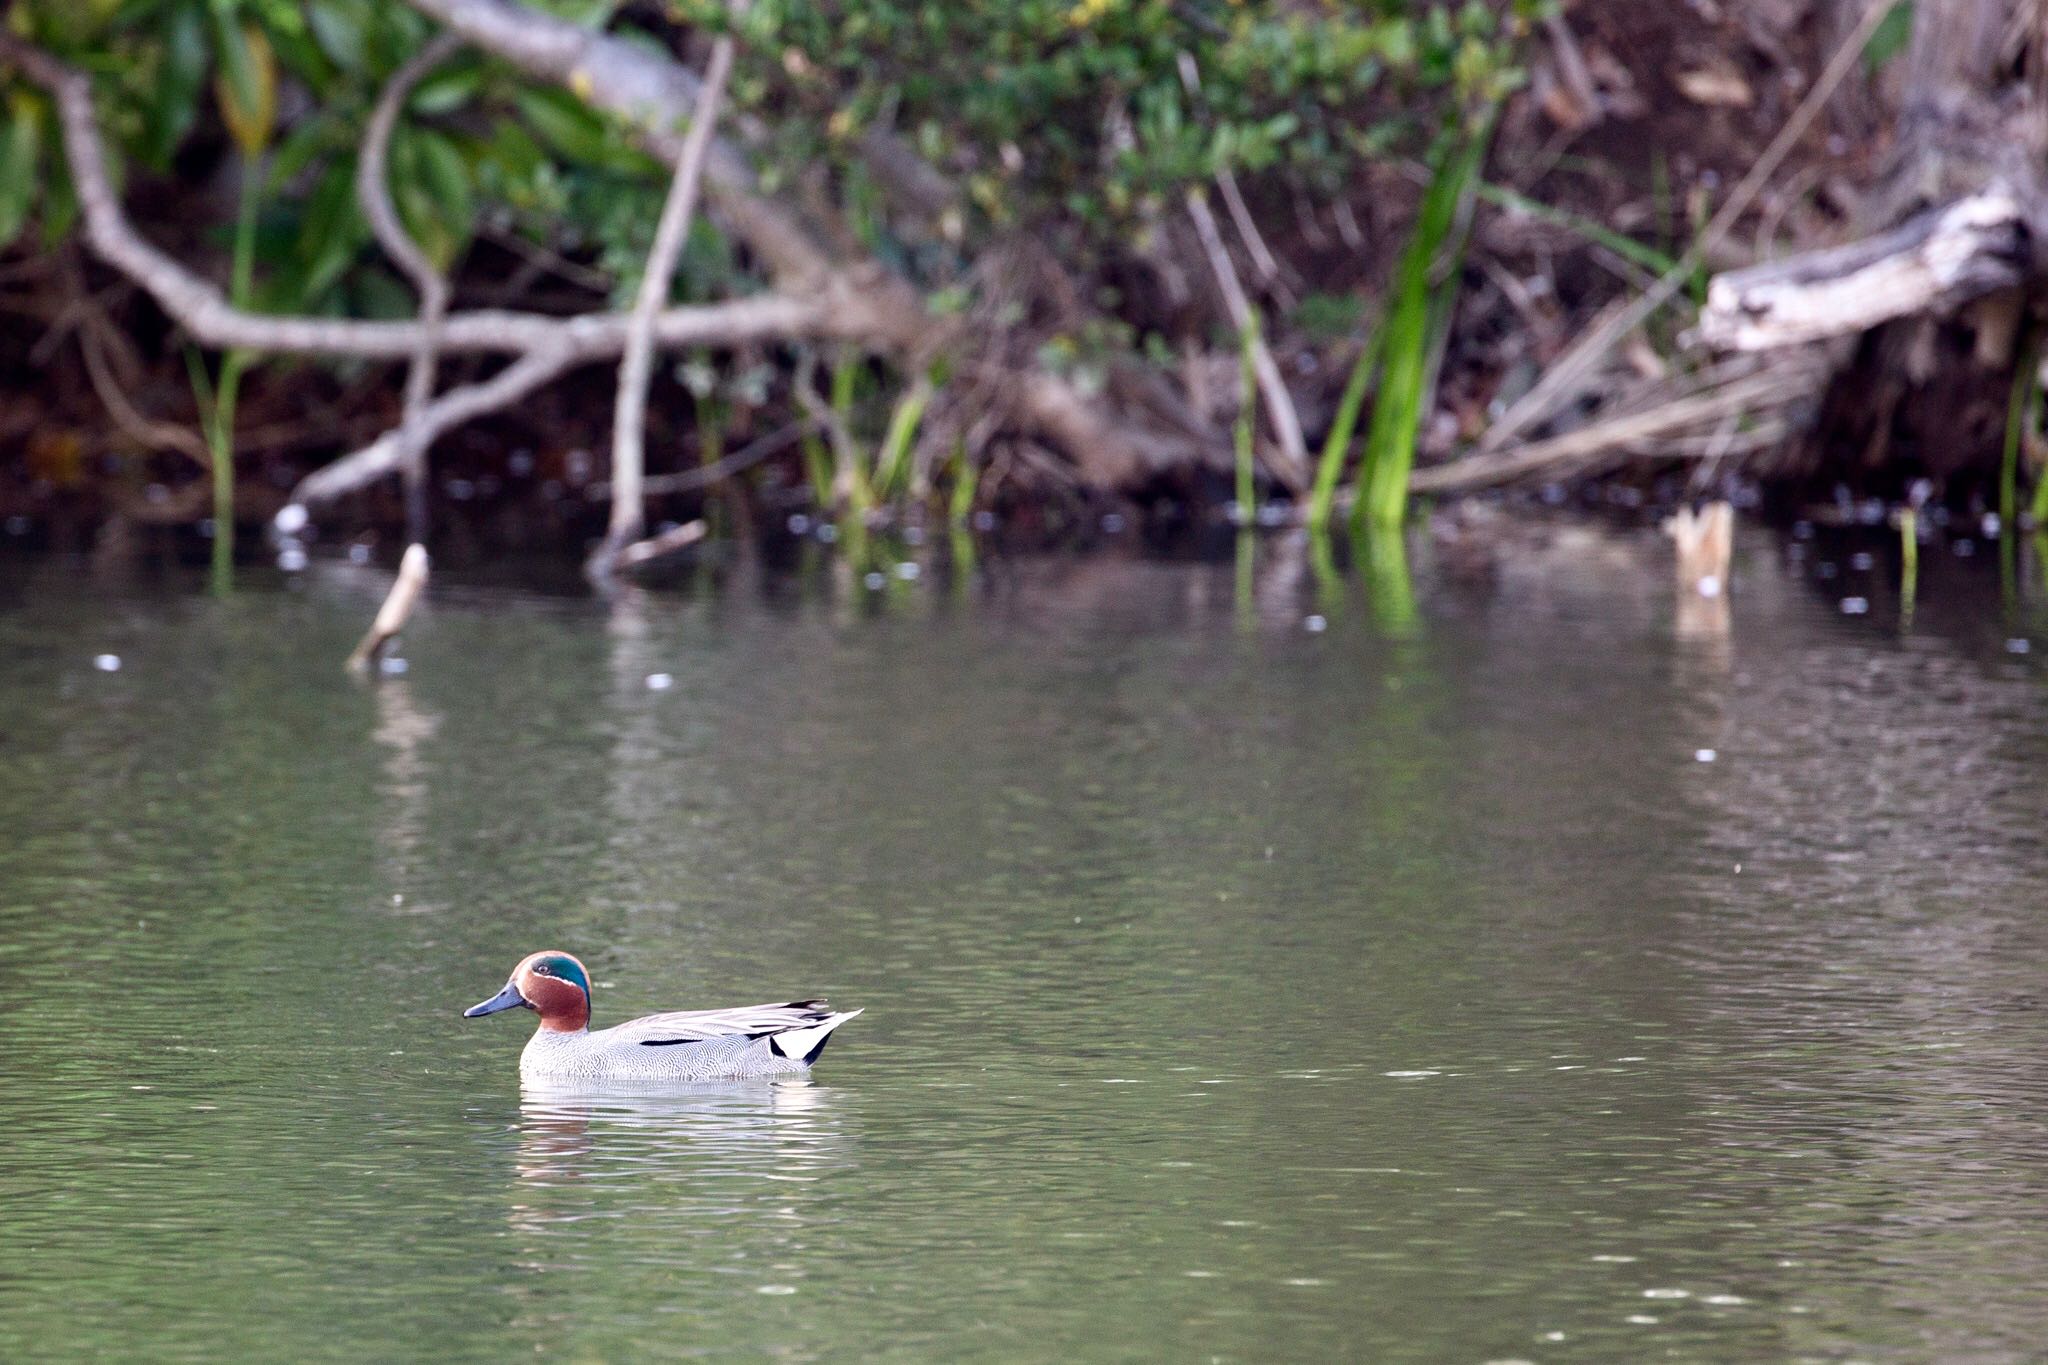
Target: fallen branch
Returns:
[660, 546]
[396, 611]
[1758, 392]
[387, 453]
[1932, 263]
[690, 480]
[629, 412]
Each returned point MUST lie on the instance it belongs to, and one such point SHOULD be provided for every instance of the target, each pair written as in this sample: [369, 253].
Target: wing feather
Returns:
[696, 1026]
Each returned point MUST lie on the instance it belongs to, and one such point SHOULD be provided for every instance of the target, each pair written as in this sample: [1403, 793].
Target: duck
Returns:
[683, 1046]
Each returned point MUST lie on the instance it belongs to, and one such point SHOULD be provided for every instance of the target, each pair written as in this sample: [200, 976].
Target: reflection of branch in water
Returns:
[402, 728]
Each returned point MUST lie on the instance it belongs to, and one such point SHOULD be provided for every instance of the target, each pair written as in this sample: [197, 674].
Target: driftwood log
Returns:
[1933, 263]
[1934, 295]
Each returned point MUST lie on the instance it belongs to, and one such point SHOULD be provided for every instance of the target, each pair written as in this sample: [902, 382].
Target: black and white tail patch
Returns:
[802, 1045]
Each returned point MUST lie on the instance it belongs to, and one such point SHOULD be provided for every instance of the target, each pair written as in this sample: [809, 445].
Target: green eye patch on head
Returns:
[565, 969]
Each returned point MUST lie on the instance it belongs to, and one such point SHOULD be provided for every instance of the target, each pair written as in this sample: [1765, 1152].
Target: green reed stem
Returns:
[1247, 418]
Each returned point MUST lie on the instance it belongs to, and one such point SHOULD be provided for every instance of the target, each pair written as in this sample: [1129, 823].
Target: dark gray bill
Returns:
[507, 999]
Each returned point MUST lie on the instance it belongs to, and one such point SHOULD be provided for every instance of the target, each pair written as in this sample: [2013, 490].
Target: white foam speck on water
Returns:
[1553, 1336]
[1306, 1282]
[1121, 1080]
[1631, 1059]
[660, 682]
[1568, 1068]
[107, 663]
[1409, 1075]
[1642, 1319]
[1704, 755]
[1199, 1274]
[1613, 1259]
[776, 1289]
[1667, 1293]
[1724, 1300]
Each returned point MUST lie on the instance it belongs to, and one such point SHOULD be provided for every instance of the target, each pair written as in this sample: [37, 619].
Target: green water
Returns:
[1234, 991]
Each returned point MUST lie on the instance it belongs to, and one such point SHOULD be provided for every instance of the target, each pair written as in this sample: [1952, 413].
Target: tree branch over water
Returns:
[374, 195]
[629, 414]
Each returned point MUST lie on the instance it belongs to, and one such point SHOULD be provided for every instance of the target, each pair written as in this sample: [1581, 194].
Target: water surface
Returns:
[1551, 979]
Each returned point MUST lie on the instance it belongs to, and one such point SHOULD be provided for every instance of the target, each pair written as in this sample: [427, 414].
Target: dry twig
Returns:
[629, 413]
[1289, 463]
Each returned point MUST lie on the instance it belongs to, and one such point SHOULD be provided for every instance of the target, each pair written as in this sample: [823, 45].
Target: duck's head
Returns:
[552, 984]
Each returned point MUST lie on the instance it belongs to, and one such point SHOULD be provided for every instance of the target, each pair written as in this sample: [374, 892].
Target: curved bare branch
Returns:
[374, 195]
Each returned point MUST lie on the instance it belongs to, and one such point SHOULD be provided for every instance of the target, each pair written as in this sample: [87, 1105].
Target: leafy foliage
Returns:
[1100, 108]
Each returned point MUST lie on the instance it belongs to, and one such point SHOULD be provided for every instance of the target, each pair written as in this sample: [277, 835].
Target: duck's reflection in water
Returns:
[719, 1150]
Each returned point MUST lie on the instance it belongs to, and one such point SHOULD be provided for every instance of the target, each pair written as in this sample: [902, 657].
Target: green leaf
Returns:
[445, 176]
[1890, 37]
[448, 89]
[238, 65]
[299, 52]
[566, 124]
[337, 26]
[60, 209]
[331, 234]
[301, 147]
[21, 145]
[180, 76]
[247, 90]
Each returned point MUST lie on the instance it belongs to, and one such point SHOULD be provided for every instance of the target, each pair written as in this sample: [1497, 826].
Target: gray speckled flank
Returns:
[619, 1054]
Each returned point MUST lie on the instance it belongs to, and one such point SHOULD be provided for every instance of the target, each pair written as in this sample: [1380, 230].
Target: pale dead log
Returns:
[396, 611]
[1932, 263]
